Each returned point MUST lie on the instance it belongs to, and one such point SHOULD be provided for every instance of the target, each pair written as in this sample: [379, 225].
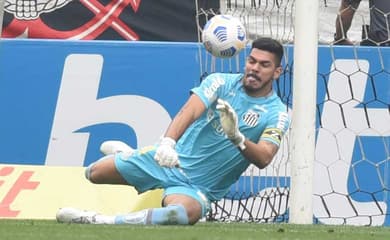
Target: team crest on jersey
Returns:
[251, 118]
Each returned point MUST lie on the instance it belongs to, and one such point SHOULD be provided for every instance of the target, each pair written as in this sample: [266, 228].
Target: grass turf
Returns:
[46, 229]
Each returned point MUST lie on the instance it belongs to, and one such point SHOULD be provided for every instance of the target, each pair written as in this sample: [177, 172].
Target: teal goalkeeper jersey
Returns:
[208, 158]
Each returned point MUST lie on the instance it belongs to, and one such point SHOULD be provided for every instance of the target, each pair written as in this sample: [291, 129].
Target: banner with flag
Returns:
[163, 20]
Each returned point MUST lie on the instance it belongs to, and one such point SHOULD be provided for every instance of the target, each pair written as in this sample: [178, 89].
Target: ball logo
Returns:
[220, 33]
[228, 52]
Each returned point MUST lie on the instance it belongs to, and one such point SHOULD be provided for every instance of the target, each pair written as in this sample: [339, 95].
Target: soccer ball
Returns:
[224, 36]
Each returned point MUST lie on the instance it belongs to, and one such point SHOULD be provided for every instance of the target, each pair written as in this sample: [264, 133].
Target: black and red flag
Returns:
[147, 20]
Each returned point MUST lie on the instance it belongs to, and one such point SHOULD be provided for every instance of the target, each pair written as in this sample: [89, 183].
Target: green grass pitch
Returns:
[47, 229]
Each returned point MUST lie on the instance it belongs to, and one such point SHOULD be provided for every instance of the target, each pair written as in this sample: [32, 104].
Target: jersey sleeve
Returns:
[277, 127]
[210, 88]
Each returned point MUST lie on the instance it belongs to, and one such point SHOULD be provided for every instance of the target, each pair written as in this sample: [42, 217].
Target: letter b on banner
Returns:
[78, 107]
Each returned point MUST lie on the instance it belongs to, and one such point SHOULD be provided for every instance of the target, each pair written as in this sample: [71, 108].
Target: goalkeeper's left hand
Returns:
[166, 155]
[229, 123]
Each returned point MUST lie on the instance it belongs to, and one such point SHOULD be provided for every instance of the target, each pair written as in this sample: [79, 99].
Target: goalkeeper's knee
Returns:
[90, 171]
[87, 172]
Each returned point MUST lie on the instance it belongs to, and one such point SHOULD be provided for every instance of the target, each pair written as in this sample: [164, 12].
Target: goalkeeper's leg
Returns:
[109, 175]
[183, 203]
[180, 210]
[174, 214]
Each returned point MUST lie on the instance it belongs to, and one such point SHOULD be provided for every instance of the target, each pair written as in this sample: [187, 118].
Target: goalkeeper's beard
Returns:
[262, 86]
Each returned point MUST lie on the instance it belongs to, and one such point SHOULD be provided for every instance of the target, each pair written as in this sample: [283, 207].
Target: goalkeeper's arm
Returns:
[166, 154]
[192, 110]
[261, 153]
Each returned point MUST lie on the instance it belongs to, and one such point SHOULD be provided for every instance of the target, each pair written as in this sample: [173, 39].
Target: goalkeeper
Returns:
[229, 122]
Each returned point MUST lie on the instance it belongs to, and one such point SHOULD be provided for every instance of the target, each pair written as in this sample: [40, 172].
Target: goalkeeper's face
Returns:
[261, 69]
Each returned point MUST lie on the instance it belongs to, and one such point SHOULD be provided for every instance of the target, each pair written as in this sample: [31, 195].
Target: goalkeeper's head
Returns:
[270, 45]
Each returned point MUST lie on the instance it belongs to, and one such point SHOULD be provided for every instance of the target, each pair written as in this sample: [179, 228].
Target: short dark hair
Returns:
[270, 45]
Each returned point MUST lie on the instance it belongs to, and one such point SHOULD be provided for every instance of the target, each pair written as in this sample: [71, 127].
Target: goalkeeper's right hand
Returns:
[229, 123]
[166, 155]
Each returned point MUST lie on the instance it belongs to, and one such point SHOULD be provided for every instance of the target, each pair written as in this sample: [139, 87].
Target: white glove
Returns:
[166, 154]
[229, 123]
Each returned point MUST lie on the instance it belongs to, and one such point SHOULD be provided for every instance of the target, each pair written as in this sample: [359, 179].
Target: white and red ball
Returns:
[224, 36]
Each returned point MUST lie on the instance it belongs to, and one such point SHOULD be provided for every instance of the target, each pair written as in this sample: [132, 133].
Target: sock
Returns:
[169, 215]
[133, 218]
[103, 219]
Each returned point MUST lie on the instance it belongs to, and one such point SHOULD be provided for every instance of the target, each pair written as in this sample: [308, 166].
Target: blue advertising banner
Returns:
[79, 94]
[61, 99]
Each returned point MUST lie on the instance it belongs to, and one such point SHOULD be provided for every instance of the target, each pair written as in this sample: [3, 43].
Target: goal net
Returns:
[352, 156]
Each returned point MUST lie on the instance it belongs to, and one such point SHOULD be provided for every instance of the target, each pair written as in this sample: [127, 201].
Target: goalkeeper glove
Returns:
[166, 155]
[229, 123]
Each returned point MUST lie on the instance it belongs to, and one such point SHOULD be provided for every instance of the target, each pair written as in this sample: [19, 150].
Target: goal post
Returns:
[302, 133]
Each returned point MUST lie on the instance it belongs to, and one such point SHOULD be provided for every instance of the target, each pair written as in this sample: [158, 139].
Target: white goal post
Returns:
[302, 133]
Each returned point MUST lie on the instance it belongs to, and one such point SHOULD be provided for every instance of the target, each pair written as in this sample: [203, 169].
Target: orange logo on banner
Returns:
[22, 183]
